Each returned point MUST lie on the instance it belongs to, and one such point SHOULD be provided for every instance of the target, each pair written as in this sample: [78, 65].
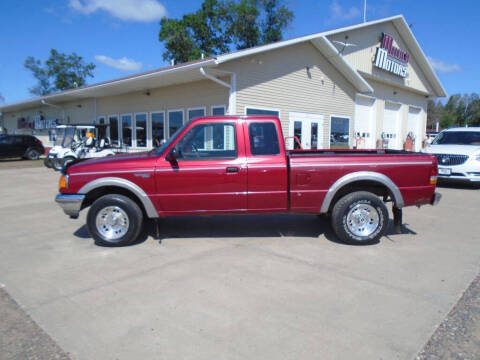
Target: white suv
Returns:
[458, 153]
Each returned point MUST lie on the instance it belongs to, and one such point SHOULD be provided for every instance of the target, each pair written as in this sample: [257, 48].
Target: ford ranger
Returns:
[239, 165]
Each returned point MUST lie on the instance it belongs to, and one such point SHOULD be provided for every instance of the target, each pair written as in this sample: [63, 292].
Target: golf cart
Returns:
[78, 142]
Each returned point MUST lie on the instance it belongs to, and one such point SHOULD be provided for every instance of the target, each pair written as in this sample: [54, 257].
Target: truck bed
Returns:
[314, 172]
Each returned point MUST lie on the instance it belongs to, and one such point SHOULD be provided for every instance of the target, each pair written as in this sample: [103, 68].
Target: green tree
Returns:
[219, 26]
[59, 72]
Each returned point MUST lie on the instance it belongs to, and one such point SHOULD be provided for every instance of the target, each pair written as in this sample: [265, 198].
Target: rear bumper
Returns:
[436, 198]
[70, 203]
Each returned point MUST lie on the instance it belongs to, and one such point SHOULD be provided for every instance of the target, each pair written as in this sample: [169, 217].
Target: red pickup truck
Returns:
[239, 165]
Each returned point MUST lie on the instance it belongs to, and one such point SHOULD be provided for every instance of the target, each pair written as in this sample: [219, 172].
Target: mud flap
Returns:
[397, 219]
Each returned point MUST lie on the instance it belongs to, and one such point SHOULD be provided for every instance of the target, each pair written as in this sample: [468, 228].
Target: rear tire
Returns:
[359, 218]
[32, 154]
[114, 220]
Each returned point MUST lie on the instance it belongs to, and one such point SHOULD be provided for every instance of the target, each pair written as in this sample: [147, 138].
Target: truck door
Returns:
[267, 167]
[209, 174]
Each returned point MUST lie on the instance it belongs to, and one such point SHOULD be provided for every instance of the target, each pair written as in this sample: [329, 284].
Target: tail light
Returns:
[434, 172]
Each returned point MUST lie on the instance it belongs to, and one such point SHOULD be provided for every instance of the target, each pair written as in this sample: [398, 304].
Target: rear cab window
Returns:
[263, 138]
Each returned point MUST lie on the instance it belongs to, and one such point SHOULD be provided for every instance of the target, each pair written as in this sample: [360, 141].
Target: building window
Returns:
[263, 138]
[127, 129]
[195, 113]
[175, 121]
[141, 129]
[113, 122]
[339, 132]
[218, 110]
[158, 128]
[256, 111]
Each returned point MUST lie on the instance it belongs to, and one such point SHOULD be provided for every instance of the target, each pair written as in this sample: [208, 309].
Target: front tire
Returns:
[114, 220]
[47, 162]
[360, 218]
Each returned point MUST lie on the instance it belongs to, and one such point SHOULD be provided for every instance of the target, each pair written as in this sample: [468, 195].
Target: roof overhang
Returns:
[182, 73]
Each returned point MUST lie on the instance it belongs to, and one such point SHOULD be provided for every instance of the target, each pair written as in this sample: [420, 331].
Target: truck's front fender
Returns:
[125, 184]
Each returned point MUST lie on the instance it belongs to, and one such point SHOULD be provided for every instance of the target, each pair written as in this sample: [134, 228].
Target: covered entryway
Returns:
[391, 125]
[365, 122]
[414, 126]
[308, 128]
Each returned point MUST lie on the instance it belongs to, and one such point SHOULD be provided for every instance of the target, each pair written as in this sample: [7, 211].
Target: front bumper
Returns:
[436, 198]
[70, 203]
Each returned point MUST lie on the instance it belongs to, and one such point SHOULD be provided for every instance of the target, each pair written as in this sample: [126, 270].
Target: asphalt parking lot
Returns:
[249, 287]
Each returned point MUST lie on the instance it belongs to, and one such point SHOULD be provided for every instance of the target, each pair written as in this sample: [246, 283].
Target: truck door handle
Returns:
[232, 169]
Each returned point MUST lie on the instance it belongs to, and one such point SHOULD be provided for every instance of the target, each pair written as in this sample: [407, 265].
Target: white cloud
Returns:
[130, 10]
[338, 13]
[123, 64]
[442, 67]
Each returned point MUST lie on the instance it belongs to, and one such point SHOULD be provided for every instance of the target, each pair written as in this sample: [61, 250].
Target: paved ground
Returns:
[19, 164]
[234, 287]
[458, 337]
[20, 337]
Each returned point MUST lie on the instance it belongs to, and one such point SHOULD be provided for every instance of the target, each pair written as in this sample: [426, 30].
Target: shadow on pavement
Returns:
[239, 226]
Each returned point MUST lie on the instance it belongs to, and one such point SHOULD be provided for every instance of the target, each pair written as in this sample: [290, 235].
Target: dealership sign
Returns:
[391, 58]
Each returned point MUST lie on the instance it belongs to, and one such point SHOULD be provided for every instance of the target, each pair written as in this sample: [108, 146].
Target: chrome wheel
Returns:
[363, 220]
[112, 222]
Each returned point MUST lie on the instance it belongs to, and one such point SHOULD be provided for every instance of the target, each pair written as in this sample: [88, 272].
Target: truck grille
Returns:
[451, 159]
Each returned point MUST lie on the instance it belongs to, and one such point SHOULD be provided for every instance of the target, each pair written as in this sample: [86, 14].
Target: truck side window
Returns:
[263, 139]
[208, 141]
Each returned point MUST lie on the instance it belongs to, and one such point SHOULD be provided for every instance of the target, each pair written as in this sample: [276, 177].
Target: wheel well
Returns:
[94, 194]
[374, 187]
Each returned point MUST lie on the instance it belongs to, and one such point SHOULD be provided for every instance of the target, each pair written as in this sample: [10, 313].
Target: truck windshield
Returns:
[457, 138]
[159, 150]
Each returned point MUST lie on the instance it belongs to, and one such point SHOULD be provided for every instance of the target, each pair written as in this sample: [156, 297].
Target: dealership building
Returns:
[361, 86]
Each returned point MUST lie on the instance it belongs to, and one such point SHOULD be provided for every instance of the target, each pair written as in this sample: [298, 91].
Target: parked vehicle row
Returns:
[239, 165]
[20, 146]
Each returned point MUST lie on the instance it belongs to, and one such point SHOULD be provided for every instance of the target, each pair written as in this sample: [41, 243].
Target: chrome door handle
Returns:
[232, 169]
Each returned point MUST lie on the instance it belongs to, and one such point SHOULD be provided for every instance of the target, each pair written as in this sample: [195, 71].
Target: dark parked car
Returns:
[24, 146]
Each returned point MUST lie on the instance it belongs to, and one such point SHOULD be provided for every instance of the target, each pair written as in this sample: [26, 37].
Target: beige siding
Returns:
[280, 80]
[194, 94]
[361, 56]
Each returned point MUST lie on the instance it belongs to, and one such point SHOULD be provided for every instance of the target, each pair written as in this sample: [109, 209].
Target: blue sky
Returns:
[121, 36]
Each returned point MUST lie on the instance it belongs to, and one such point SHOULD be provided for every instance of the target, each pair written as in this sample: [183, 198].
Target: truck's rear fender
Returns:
[374, 182]
[111, 185]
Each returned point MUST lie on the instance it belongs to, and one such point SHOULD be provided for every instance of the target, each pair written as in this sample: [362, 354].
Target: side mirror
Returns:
[172, 156]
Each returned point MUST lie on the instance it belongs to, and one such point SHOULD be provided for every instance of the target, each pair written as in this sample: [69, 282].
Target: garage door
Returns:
[365, 121]
[391, 125]
[414, 125]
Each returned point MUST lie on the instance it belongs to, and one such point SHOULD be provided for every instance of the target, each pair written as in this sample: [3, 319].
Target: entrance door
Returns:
[308, 128]
[391, 125]
[365, 121]
[414, 125]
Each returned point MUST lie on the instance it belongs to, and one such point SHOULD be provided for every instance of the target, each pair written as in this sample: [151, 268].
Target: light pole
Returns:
[364, 10]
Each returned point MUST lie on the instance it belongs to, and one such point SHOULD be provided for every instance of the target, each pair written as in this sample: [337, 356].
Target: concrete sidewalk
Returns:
[271, 287]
